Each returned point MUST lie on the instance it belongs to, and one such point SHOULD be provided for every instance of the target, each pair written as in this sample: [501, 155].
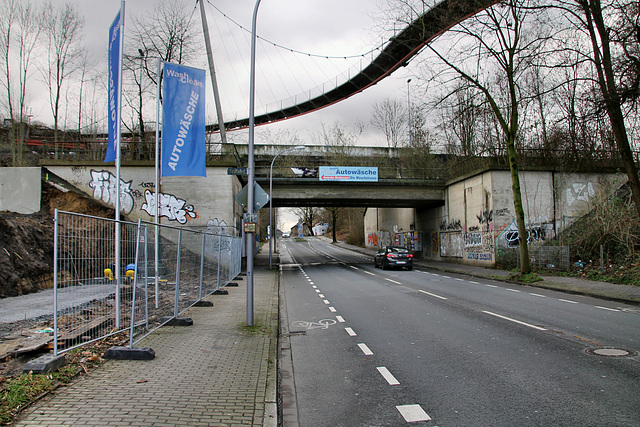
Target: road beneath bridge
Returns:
[310, 192]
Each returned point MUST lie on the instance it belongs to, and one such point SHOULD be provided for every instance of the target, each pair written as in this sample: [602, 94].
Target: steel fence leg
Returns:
[55, 283]
[201, 266]
[136, 265]
[219, 250]
[176, 307]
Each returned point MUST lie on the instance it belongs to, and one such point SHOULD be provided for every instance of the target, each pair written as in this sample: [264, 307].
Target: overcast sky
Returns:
[327, 27]
[323, 27]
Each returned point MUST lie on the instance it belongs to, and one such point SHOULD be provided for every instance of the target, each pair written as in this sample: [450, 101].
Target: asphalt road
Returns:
[392, 348]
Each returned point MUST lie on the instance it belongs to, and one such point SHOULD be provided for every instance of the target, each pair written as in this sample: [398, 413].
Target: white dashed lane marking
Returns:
[365, 349]
[413, 413]
[350, 332]
[433, 295]
[340, 319]
[515, 321]
[388, 376]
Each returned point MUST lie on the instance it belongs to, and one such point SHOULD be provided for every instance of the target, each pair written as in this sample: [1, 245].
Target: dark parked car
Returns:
[393, 256]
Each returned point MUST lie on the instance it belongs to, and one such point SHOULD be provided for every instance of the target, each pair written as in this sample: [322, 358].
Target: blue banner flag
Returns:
[114, 78]
[183, 126]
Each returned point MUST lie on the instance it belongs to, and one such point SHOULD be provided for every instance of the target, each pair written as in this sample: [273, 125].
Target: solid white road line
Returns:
[515, 321]
[429, 293]
[387, 376]
[413, 413]
[350, 332]
[366, 350]
[340, 319]
[393, 281]
[606, 308]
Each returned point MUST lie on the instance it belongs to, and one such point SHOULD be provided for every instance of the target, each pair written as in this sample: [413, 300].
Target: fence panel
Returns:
[92, 301]
[88, 302]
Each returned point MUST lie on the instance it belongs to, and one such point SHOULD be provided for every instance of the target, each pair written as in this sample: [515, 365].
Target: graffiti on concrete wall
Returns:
[217, 236]
[485, 219]
[451, 225]
[580, 193]
[451, 244]
[379, 239]
[170, 207]
[435, 243]
[535, 232]
[480, 246]
[105, 188]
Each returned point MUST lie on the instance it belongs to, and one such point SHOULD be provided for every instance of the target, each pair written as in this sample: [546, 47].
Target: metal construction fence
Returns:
[94, 299]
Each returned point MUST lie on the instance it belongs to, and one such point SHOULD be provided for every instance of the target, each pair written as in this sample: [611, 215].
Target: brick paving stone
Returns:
[211, 373]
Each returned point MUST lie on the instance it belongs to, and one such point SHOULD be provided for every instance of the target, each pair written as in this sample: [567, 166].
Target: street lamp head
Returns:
[408, 80]
[299, 147]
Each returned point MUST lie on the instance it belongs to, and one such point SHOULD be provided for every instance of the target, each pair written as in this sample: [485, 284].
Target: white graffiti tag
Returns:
[105, 188]
[580, 192]
[170, 207]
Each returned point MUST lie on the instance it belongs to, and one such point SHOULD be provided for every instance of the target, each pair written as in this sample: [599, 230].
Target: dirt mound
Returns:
[26, 248]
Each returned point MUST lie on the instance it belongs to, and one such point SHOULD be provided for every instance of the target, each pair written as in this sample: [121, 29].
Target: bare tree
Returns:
[63, 32]
[613, 28]
[490, 51]
[29, 25]
[308, 215]
[168, 32]
[391, 117]
[9, 10]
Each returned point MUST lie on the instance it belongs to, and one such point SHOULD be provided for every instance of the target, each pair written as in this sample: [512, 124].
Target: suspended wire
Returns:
[295, 50]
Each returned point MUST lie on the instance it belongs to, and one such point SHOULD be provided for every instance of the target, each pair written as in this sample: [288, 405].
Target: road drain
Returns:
[611, 352]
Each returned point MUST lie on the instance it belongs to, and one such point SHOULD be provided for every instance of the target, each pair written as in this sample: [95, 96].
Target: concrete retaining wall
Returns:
[478, 218]
[20, 190]
[184, 201]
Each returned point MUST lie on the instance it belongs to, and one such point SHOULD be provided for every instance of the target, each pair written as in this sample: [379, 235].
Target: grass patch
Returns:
[526, 278]
[256, 329]
[17, 392]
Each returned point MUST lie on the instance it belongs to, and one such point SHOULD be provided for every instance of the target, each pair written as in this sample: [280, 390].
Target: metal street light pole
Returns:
[409, 103]
[272, 232]
[251, 237]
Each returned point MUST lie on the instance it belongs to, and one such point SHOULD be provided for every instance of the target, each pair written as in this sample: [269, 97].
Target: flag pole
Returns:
[118, 155]
[157, 185]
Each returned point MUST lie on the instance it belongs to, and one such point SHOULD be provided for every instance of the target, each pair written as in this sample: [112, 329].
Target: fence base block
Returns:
[220, 292]
[129, 353]
[44, 364]
[232, 284]
[238, 278]
[177, 321]
[203, 303]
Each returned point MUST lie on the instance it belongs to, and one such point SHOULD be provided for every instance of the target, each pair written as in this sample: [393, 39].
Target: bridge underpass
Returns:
[310, 192]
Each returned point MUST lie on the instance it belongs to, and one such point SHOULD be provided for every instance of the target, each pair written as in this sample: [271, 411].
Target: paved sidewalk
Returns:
[574, 285]
[214, 373]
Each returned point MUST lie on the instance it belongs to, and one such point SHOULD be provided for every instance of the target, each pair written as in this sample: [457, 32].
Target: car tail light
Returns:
[410, 255]
[391, 256]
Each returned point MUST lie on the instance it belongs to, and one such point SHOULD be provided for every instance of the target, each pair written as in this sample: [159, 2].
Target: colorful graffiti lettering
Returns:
[105, 188]
[170, 207]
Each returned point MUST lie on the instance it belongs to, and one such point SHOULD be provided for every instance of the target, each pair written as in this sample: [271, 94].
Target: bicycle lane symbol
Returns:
[320, 324]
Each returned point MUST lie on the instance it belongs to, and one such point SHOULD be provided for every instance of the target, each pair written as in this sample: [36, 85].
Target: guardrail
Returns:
[92, 301]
